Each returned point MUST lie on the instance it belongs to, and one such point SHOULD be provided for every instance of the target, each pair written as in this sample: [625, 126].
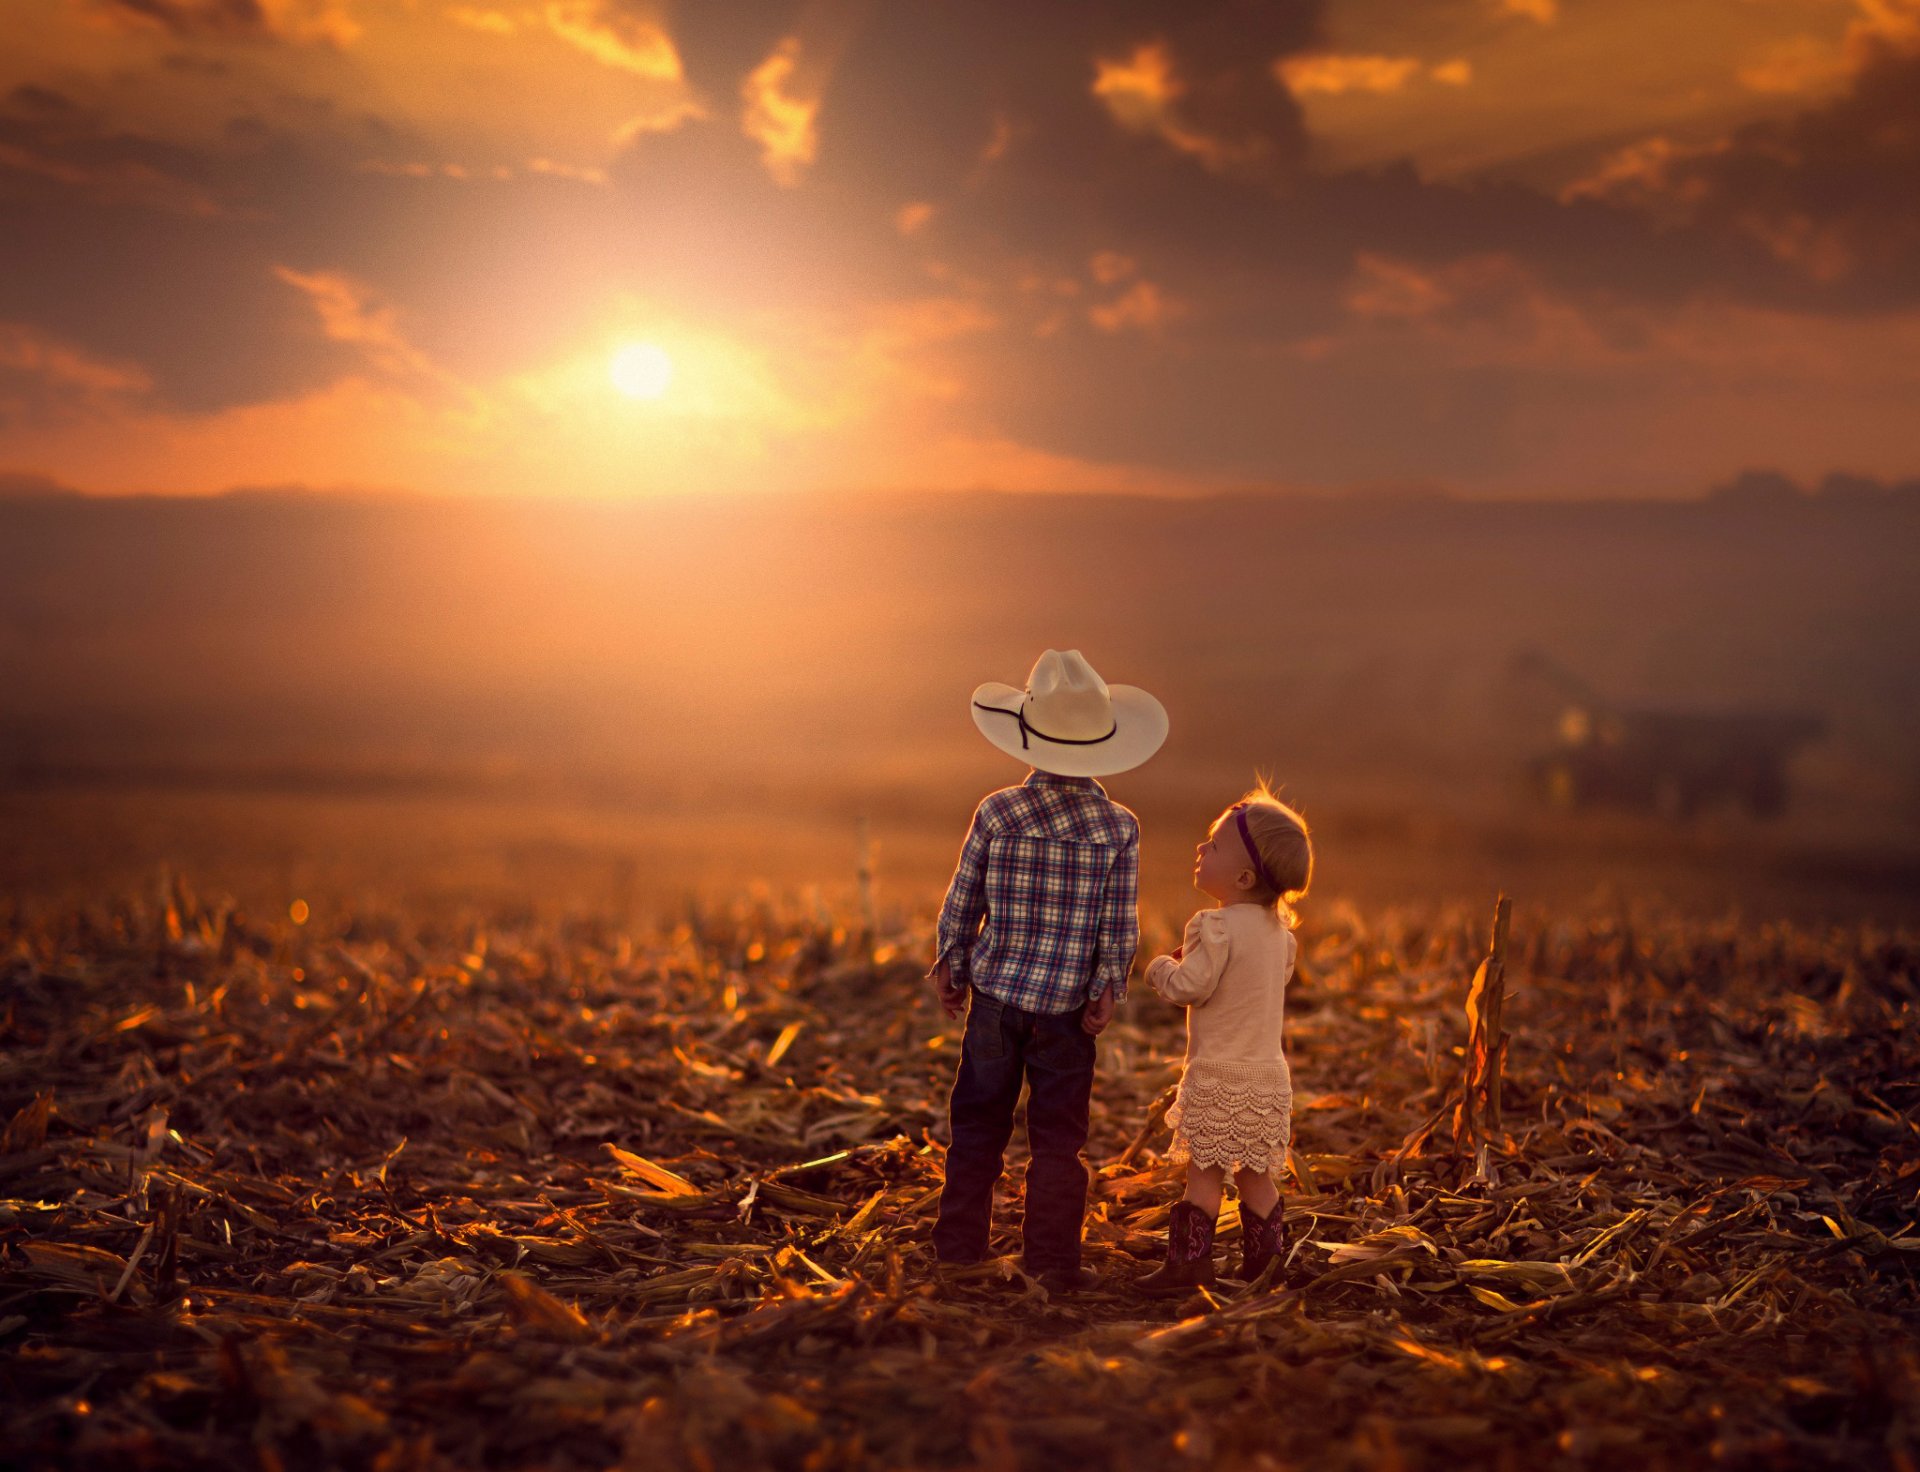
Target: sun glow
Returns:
[641, 370]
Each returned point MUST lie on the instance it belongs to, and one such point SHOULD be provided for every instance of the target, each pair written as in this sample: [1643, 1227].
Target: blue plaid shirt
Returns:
[1053, 868]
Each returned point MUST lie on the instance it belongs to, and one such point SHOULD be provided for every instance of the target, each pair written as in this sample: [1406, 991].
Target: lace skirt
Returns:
[1234, 1114]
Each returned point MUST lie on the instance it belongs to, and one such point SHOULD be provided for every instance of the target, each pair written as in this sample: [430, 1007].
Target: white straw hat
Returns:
[1069, 721]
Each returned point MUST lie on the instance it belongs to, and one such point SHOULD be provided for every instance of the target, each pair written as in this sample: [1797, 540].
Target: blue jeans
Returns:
[1003, 1045]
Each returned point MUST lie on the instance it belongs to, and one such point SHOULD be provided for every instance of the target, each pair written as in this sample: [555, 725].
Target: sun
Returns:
[641, 370]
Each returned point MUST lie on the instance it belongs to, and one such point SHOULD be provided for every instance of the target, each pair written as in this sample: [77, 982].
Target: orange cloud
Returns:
[1798, 64]
[1544, 11]
[579, 173]
[1141, 93]
[663, 119]
[1647, 175]
[1109, 266]
[616, 38]
[415, 169]
[26, 350]
[999, 142]
[1681, 387]
[1143, 308]
[122, 181]
[1801, 64]
[911, 218]
[348, 316]
[1382, 287]
[493, 22]
[1338, 74]
[1455, 73]
[781, 122]
[325, 22]
[1895, 22]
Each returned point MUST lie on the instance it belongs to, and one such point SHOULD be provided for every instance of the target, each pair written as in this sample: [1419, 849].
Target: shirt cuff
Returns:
[956, 954]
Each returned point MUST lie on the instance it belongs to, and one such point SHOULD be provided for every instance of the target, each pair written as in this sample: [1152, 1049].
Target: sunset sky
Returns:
[612, 248]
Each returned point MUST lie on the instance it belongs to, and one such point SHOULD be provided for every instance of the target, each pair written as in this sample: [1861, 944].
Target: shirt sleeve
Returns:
[966, 902]
[1119, 923]
[1190, 981]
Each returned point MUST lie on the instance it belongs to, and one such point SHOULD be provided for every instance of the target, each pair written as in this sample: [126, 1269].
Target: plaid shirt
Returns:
[1053, 868]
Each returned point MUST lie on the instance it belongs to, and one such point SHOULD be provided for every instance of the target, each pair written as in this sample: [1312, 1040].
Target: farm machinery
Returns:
[1673, 762]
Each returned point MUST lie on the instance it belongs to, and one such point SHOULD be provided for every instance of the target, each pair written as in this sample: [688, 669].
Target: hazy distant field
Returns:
[627, 704]
[437, 854]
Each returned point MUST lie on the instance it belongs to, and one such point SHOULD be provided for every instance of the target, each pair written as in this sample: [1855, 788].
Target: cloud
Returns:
[1143, 91]
[616, 37]
[348, 314]
[1807, 63]
[578, 173]
[1142, 307]
[1795, 65]
[328, 22]
[1654, 175]
[1826, 191]
[1383, 287]
[43, 377]
[1544, 11]
[50, 143]
[1337, 74]
[779, 120]
[670, 114]
[493, 22]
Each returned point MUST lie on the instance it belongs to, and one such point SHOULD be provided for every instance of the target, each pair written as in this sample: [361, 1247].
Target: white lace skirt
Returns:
[1234, 1114]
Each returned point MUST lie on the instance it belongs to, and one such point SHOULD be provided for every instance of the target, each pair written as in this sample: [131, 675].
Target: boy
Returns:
[1052, 867]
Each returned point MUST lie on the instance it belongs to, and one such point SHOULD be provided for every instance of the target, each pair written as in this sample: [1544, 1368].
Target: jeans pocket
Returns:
[1062, 1043]
[986, 1038]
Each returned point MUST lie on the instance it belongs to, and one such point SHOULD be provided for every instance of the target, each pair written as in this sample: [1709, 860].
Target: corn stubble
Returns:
[418, 1192]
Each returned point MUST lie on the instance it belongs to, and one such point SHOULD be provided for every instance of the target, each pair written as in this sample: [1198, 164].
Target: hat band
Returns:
[1020, 715]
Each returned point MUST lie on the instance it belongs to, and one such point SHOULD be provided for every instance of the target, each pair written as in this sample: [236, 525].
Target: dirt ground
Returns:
[325, 1152]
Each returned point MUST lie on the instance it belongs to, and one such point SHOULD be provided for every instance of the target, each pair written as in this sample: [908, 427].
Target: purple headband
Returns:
[1246, 837]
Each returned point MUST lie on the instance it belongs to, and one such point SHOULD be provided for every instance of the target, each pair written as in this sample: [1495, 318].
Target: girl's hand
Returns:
[1098, 1013]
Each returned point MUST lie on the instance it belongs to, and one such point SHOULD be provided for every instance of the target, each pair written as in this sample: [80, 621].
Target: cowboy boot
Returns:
[1189, 1262]
[1262, 1238]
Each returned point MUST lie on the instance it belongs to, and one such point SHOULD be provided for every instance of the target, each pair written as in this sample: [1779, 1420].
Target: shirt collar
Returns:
[1038, 778]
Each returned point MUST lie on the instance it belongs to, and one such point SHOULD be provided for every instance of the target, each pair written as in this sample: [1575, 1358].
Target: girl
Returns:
[1235, 1106]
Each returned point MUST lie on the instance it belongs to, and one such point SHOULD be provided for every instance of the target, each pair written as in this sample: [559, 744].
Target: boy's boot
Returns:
[1262, 1238]
[1189, 1262]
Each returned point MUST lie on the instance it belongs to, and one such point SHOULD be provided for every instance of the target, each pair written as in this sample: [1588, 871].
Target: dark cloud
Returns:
[1834, 191]
[30, 98]
[230, 18]
[22, 485]
[134, 249]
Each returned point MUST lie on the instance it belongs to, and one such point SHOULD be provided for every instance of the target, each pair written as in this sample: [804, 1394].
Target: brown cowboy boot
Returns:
[1189, 1262]
[1262, 1238]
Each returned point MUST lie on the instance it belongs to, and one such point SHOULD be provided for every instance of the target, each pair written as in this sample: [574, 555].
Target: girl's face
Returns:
[1222, 867]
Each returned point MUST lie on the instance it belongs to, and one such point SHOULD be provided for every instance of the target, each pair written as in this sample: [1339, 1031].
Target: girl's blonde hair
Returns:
[1286, 848]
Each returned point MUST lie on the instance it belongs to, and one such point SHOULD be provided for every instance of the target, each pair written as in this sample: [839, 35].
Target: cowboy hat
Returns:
[1069, 721]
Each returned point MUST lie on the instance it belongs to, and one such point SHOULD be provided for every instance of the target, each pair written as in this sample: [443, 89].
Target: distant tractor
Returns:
[1672, 762]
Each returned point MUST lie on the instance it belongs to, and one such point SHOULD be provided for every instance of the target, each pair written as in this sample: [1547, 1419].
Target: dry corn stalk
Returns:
[1478, 1113]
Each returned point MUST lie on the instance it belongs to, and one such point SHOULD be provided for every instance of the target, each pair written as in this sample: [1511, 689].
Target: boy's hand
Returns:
[953, 999]
[1098, 1013]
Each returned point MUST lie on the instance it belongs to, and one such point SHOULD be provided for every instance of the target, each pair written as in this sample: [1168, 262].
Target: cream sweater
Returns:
[1232, 978]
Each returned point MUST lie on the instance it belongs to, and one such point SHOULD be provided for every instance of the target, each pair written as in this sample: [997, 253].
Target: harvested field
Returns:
[388, 1190]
